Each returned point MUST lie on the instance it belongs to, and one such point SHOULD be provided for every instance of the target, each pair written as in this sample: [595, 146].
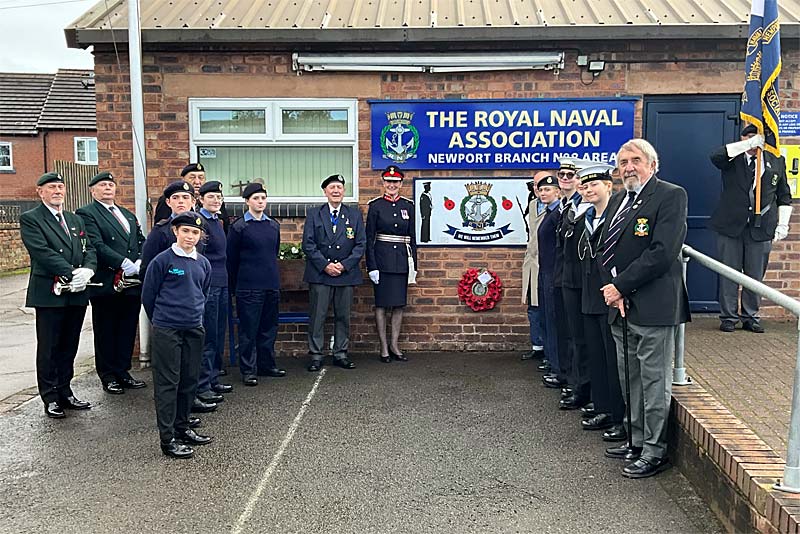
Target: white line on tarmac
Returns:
[262, 485]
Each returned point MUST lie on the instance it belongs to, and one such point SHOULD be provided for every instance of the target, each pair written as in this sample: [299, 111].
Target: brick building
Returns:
[44, 118]
[224, 85]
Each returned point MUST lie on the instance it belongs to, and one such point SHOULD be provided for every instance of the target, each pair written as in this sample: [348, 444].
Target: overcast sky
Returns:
[32, 35]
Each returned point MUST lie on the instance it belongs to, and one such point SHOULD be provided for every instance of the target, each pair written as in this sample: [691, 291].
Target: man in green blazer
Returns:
[60, 252]
[117, 238]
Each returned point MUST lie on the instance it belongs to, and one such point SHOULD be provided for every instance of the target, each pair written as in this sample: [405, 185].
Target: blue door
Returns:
[684, 131]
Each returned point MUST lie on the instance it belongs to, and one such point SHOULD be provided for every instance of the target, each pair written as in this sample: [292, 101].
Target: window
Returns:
[290, 144]
[86, 150]
[6, 161]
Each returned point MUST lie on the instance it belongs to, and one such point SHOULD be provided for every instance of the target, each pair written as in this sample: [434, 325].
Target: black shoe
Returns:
[190, 437]
[645, 467]
[624, 452]
[250, 380]
[194, 422]
[398, 357]
[274, 373]
[131, 383]
[566, 392]
[199, 406]
[222, 372]
[600, 421]
[222, 388]
[552, 381]
[530, 355]
[385, 359]
[54, 411]
[544, 367]
[573, 402]
[752, 326]
[315, 366]
[113, 387]
[588, 411]
[615, 433]
[344, 363]
[71, 403]
[209, 397]
[727, 326]
[174, 449]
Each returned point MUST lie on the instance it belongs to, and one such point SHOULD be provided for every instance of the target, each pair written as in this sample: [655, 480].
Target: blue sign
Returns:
[497, 134]
[790, 124]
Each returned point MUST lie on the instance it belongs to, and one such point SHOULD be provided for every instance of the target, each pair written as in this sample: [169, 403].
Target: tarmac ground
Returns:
[446, 443]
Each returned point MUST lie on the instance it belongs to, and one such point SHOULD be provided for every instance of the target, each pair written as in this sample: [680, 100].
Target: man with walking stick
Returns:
[644, 288]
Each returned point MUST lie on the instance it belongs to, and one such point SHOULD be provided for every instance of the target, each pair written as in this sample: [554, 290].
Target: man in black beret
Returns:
[745, 239]
[334, 240]
[60, 252]
[425, 210]
[117, 238]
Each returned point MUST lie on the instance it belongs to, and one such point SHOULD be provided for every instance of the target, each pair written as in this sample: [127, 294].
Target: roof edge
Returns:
[85, 37]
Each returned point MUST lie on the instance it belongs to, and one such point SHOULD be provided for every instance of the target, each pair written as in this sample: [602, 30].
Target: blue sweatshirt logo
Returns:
[175, 270]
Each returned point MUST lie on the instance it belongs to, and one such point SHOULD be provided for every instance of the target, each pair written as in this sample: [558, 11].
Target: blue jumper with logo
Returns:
[175, 289]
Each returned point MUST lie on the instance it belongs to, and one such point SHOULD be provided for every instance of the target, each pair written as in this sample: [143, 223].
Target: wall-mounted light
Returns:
[596, 67]
[429, 62]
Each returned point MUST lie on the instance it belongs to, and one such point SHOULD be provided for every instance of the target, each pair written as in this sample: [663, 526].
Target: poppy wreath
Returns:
[476, 295]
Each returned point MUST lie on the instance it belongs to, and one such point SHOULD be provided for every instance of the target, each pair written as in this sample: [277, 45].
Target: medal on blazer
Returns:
[404, 214]
[641, 229]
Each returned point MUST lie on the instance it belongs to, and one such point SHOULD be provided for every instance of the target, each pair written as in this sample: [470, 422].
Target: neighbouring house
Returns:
[482, 92]
[44, 118]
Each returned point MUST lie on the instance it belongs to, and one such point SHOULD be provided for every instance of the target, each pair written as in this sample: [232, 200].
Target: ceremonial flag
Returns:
[761, 106]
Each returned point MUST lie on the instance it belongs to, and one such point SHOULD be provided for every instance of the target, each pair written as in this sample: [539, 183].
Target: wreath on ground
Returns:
[478, 295]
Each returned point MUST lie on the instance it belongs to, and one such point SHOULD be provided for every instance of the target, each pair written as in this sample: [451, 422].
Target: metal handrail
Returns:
[791, 472]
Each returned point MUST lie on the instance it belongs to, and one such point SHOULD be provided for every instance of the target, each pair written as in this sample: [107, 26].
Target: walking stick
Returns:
[627, 378]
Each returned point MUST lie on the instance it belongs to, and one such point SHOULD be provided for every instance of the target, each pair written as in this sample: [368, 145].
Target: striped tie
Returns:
[63, 223]
[615, 230]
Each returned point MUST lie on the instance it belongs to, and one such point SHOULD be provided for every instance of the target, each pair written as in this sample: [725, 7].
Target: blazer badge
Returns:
[641, 229]
[349, 233]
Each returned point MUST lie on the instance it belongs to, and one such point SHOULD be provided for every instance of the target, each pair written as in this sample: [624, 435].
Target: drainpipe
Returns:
[44, 149]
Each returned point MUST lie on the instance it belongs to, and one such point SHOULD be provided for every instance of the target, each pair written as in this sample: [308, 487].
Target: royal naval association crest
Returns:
[641, 229]
[399, 138]
[478, 208]
[478, 212]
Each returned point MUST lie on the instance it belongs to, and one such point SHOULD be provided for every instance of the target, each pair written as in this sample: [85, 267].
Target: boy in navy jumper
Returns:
[216, 313]
[174, 295]
[253, 243]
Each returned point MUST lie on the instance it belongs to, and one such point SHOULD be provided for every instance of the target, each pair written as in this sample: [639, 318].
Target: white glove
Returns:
[739, 147]
[129, 267]
[782, 230]
[138, 264]
[76, 287]
[81, 276]
[375, 276]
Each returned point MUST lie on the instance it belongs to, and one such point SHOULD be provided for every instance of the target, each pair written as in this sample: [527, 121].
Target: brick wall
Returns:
[435, 320]
[29, 160]
[14, 255]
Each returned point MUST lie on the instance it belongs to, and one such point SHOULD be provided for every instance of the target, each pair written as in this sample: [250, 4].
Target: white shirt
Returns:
[117, 214]
[180, 252]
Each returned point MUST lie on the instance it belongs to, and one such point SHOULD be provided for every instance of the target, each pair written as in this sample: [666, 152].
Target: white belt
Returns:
[393, 238]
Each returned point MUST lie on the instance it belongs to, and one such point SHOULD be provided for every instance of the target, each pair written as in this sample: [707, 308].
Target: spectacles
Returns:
[568, 175]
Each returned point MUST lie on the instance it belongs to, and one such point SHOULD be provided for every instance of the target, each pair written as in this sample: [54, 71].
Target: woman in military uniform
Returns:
[391, 257]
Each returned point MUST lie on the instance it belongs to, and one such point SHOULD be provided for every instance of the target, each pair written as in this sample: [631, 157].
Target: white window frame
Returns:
[273, 135]
[10, 166]
[85, 162]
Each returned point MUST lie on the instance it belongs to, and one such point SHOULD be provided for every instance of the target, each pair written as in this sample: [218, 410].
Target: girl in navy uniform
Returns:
[391, 257]
[601, 351]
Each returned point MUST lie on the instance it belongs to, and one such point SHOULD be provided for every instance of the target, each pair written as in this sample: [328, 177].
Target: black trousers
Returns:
[115, 319]
[175, 359]
[575, 341]
[258, 329]
[58, 331]
[602, 358]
